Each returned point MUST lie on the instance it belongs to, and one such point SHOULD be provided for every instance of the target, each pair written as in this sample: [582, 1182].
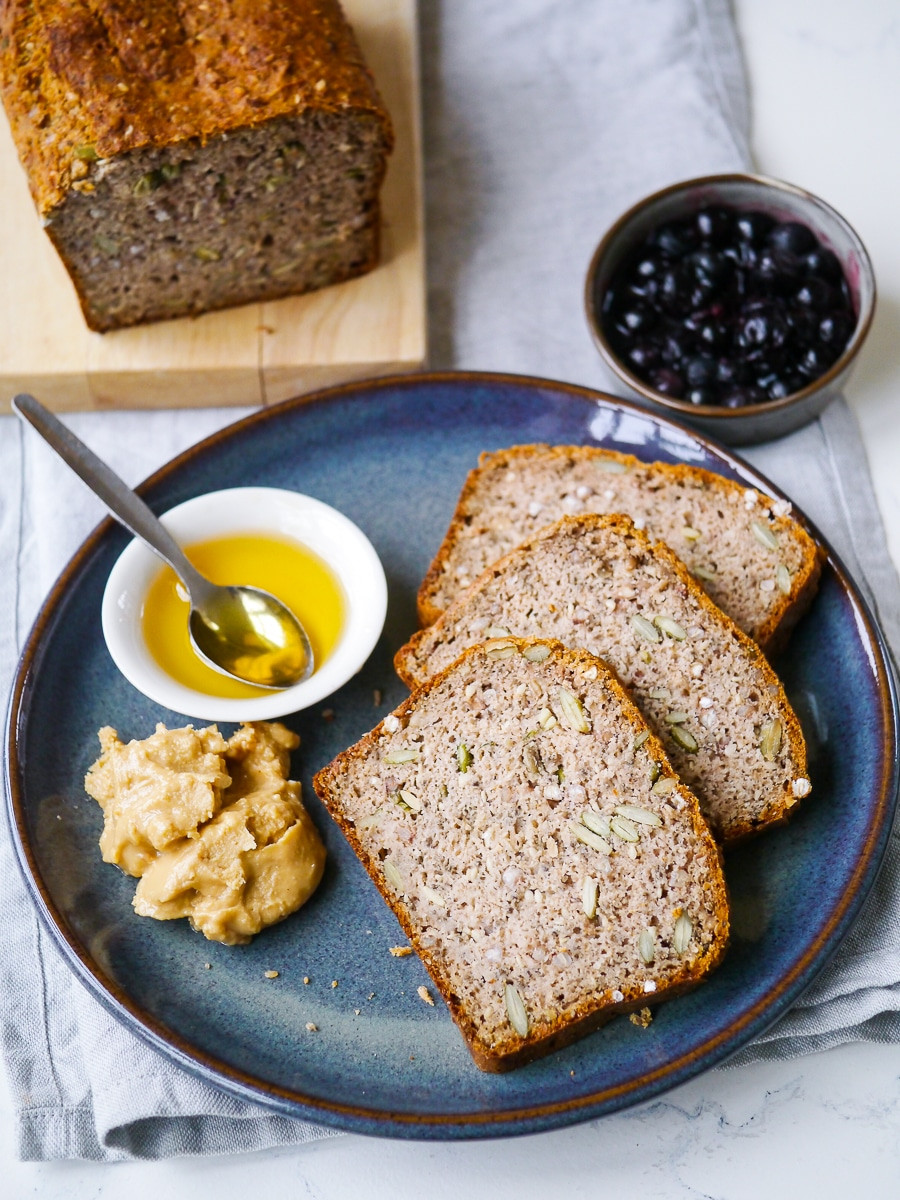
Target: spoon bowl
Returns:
[248, 633]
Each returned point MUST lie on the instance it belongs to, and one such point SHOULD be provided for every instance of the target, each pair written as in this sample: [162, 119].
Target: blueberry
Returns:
[711, 333]
[673, 283]
[815, 361]
[728, 371]
[743, 284]
[642, 290]
[647, 267]
[700, 295]
[675, 345]
[790, 273]
[700, 371]
[792, 237]
[703, 262]
[712, 268]
[816, 294]
[741, 396]
[692, 322]
[805, 325]
[640, 277]
[753, 227]
[700, 395]
[668, 382]
[638, 319]
[743, 254]
[609, 301]
[767, 267]
[775, 385]
[675, 289]
[675, 239]
[779, 270]
[713, 225]
[643, 355]
[762, 327]
[824, 264]
[795, 381]
[779, 388]
[835, 329]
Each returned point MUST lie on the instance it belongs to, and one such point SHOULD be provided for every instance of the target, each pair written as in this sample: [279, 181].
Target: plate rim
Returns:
[467, 1124]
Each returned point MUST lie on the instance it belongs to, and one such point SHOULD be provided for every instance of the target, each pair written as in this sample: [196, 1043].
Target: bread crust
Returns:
[407, 660]
[511, 1051]
[110, 100]
[112, 76]
[773, 633]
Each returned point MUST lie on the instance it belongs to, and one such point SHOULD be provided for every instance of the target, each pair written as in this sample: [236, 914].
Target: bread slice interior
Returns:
[598, 584]
[530, 835]
[745, 549]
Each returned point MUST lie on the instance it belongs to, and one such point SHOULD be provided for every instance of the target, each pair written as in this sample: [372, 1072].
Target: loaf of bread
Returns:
[759, 565]
[186, 157]
[536, 846]
[703, 686]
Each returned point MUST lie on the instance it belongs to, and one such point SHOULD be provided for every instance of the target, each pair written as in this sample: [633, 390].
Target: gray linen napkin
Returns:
[542, 122]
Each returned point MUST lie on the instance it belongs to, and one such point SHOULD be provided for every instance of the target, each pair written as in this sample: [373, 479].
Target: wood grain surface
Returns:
[255, 354]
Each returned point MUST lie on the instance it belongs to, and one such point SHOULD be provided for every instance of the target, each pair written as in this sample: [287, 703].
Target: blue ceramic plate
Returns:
[392, 455]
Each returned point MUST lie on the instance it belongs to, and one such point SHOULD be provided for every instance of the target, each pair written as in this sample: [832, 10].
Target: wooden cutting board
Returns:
[256, 354]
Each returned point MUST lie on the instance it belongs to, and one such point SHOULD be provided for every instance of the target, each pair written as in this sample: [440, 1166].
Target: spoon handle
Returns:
[124, 504]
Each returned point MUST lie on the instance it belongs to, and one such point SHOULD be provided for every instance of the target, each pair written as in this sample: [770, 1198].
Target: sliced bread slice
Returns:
[542, 856]
[598, 584]
[756, 562]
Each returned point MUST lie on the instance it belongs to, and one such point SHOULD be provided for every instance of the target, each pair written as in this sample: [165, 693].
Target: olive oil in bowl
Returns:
[290, 571]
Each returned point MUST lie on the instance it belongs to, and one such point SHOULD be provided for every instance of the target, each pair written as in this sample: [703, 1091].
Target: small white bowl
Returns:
[317, 526]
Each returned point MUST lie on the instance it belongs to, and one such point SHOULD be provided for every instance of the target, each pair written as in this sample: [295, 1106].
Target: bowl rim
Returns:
[345, 550]
[715, 412]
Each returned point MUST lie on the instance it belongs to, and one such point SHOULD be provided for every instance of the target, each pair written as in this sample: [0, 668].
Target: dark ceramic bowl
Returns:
[784, 202]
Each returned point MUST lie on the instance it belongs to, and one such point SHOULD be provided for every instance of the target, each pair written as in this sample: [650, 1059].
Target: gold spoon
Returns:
[240, 631]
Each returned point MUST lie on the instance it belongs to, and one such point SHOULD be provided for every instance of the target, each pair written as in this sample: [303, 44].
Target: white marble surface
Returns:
[825, 77]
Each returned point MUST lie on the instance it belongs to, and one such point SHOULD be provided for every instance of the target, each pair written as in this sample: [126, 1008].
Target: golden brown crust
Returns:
[515, 1050]
[97, 78]
[780, 809]
[775, 631]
